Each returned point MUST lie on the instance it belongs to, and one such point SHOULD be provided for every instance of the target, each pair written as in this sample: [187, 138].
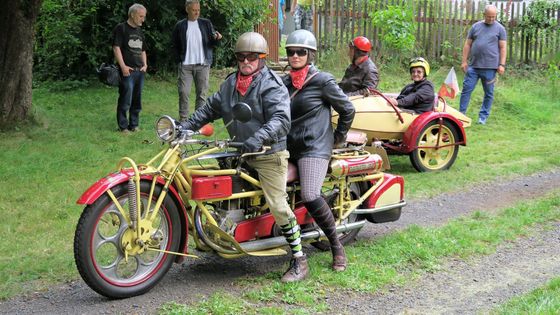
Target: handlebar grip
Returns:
[238, 145]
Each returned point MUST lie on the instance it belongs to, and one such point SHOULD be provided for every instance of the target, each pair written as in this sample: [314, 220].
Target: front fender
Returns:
[413, 131]
[101, 186]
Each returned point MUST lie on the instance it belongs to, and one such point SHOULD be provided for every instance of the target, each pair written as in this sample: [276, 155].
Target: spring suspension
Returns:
[132, 204]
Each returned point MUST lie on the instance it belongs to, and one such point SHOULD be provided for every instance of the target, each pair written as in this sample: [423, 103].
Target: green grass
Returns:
[46, 167]
[396, 259]
[542, 301]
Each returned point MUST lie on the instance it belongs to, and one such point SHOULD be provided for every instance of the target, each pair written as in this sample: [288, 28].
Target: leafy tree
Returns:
[16, 49]
[75, 36]
[397, 26]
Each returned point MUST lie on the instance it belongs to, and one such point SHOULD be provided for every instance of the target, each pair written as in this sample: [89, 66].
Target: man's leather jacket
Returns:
[359, 79]
[269, 101]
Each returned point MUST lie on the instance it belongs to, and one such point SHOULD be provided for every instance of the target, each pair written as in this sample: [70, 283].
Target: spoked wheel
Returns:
[426, 158]
[107, 252]
[348, 236]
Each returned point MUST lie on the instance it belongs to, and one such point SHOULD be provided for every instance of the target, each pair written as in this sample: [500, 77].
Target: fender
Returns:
[397, 193]
[411, 134]
[101, 186]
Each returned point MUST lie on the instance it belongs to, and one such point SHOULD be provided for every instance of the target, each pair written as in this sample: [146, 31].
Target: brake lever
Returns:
[262, 151]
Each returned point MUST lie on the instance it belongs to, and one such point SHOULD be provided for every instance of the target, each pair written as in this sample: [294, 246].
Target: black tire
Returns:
[349, 236]
[98, 251]
[431, 160]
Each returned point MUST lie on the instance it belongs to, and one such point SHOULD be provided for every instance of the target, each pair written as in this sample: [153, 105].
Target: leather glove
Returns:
[251, 145]
[339, 140]
[185, 125]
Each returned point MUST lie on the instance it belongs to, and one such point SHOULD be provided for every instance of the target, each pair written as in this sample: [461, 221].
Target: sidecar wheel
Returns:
[429, 159]
[98, 249]
[349, 236]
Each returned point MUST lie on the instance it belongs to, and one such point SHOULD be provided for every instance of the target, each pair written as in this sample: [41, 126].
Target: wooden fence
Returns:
[441, 27]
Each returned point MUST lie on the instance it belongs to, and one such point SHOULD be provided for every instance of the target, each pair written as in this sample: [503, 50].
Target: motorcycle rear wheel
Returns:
[345, 237]
[98, 249]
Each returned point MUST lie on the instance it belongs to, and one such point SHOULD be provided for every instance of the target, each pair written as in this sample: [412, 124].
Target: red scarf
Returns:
[298, 77]
[360, 60]
[243, 83]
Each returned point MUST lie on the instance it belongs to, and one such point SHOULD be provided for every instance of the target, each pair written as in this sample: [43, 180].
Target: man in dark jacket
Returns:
[192, 41]
[255, 84]
[418, 96]
[362, 75]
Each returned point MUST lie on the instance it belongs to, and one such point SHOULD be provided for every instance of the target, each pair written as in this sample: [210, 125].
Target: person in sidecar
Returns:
[311, 137]
[361, 75]
[255, 84]
[418, 96]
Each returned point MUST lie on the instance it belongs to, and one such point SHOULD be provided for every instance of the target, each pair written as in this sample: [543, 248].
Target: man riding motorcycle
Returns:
[255, 84]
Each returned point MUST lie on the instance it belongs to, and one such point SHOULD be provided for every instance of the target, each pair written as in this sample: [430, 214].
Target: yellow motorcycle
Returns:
[137, 221]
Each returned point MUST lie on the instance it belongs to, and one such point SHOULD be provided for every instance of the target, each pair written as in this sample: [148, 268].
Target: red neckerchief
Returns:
[243, 82]
[298, 77]
[360, 60]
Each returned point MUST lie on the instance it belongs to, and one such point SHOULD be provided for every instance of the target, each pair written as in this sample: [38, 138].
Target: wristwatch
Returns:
[501, 64]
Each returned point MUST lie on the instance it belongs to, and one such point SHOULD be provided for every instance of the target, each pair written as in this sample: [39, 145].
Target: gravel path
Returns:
[461, 287]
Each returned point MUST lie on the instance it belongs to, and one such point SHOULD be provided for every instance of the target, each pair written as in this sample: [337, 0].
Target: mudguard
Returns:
[413, 131]
[390, 192]
[101, 186]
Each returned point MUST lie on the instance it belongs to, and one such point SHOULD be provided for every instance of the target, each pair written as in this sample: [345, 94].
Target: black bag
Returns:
[109, 74]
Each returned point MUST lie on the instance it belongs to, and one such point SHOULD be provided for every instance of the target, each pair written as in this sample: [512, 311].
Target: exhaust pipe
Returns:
[310, 235]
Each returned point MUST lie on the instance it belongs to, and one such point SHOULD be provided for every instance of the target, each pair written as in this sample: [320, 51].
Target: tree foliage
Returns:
[397, 26]
[75, 36]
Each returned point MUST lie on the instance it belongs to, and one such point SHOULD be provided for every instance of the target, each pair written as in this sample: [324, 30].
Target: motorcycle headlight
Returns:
[166, 128]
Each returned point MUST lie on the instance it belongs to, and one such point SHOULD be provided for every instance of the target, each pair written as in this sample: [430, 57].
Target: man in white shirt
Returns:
[193, 40]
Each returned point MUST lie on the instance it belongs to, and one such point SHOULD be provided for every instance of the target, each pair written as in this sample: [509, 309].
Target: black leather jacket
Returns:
[268, 99]
[311, 134]
[358, 79]
[417, 96]
[179, 39]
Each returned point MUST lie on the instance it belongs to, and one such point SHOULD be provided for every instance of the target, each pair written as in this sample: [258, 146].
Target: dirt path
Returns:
[463, 287]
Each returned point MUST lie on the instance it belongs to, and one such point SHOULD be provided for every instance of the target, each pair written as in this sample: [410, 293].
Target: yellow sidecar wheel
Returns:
[426, 158]
[109, 256]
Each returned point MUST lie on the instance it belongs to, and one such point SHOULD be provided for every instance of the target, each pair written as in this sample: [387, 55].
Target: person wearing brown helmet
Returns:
[311, 139]
[361, 75]
[256, 85]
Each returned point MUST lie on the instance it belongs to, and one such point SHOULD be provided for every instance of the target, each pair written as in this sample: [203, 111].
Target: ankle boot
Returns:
[322, 214]
[339, 258]
[297, 271]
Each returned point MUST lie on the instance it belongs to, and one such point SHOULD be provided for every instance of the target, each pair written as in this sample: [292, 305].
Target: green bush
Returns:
[74, 37]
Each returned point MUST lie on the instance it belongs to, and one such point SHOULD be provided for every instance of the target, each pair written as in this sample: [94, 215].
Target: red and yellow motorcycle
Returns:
[138, 220]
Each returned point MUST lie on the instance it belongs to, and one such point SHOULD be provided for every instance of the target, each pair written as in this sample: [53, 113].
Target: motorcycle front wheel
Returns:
[101, 237]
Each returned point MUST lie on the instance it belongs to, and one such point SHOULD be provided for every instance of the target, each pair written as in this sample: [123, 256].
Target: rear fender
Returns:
[390, 192]
[411, 134]
[101, 186]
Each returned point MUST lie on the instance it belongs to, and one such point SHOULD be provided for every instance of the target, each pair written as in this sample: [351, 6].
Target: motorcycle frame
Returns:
[176, 175]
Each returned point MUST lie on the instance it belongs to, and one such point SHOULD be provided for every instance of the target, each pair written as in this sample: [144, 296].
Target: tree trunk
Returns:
[17, 37]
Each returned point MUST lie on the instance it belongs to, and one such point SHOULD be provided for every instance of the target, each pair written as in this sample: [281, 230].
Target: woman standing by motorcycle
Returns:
[311, 138]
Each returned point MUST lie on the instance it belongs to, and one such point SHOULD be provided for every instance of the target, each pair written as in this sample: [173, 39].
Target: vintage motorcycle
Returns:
[137, 220]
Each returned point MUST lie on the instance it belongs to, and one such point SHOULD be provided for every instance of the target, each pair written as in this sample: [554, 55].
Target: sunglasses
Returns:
[300, 52]
[250, 57]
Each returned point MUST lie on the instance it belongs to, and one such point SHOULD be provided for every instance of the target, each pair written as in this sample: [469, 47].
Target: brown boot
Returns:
[298, 270]
[339, 258]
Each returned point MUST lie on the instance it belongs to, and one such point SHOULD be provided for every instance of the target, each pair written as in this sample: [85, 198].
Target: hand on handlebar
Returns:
[251, 145]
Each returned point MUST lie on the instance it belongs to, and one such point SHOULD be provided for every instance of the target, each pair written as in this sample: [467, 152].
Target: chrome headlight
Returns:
[166, 128]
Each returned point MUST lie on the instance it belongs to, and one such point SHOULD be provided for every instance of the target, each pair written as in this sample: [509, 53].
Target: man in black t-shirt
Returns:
[129, 48]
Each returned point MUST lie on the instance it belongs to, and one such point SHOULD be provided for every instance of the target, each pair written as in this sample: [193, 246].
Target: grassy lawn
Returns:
[47, 166]
[393, 259]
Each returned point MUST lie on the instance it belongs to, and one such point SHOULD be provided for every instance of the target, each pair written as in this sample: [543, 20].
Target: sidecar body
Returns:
[431, 139]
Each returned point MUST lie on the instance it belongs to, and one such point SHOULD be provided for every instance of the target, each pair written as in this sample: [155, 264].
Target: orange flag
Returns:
[450, 87]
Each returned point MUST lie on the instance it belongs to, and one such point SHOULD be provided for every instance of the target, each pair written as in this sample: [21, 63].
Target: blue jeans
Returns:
[487, 78]
[130, 100]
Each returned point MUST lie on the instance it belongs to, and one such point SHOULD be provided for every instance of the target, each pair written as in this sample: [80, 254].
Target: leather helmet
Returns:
[251, 42]
[302, 38]
[361, 43]
[420, 62]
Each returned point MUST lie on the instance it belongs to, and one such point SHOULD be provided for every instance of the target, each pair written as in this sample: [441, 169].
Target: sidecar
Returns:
[431, 139]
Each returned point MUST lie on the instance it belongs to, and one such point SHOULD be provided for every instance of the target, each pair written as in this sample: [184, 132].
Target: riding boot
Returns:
[322, 214]
[298, 269]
